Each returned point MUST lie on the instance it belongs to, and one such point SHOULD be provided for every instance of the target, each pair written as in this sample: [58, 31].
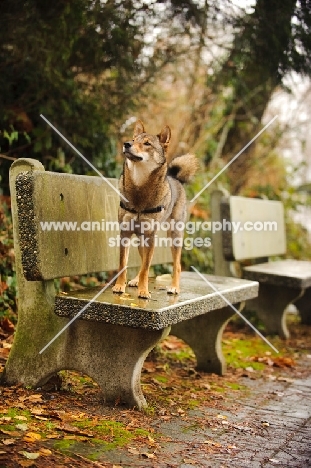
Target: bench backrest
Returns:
[248, 228]
[257, 228]
[88, 244]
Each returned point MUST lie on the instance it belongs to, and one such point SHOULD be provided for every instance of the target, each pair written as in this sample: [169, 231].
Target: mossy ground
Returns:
[69, 426]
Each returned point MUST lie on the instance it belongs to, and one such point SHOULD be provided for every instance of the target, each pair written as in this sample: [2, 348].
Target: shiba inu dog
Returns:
[155, 193]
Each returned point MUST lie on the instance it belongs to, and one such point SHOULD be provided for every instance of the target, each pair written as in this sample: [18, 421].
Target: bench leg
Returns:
[203, 334]
[303, 305]
[270, 306]
[113, 356]
[36, 326]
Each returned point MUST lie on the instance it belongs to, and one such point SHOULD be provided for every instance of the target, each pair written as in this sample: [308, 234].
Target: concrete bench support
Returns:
[110, 354]
[203, 334]
[271, 307]
[303, 305]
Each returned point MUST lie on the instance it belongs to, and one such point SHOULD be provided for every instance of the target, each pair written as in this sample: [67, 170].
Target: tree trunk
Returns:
[254, 69]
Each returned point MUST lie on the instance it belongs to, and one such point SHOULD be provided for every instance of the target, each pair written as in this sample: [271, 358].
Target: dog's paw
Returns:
[118, 289]
[143, 294]
[133, 283]
[172, 290]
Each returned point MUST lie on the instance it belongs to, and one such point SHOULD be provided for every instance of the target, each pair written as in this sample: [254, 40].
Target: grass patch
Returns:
[111, 434]
[65, 445]
[236, 386]
[161, 378]
[243, 352]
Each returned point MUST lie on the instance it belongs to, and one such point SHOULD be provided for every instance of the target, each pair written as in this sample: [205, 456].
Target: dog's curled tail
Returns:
[183, 167]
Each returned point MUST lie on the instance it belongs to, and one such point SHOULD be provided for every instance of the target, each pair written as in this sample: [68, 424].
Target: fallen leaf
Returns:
[151, 441]
[37, 411]
[148, 455]
[7, 345]
[8, 441]
[35, 397]
[32, 437]
[45, 452]
[30, 455]
[73, 430]
[20, 418]
[206, 386]
[21, 427]
[54, 435]
[283, 362]
[149, 366]
[26, 463]
[10, 433]
[7, 325]
[5, 418]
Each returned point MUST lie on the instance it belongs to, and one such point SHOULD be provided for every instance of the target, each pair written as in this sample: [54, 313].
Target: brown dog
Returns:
[155, 195]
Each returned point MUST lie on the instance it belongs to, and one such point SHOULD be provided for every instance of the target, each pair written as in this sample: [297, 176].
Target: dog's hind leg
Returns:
[134, 282]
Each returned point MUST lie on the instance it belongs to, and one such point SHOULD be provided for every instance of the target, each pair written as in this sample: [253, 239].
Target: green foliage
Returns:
[82, 64]
[8, 301]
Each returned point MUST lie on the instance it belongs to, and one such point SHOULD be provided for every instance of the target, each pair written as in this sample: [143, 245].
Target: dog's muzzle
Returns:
[127, 152]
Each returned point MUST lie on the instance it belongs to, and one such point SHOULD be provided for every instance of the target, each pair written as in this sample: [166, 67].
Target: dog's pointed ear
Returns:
[139, 128]
[165, 135]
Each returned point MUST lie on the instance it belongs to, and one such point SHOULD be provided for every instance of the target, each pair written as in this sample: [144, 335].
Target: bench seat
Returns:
[290, 273]
[163, 310]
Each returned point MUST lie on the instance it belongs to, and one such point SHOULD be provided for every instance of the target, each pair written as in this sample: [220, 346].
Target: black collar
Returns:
[157, 209]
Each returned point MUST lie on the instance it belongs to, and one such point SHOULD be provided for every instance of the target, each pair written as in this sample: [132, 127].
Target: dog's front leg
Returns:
[147, 250]
[119, 287]
[133, 283]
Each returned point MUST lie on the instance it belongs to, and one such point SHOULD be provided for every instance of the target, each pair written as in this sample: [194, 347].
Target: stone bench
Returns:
[112, 337]
[281, 281]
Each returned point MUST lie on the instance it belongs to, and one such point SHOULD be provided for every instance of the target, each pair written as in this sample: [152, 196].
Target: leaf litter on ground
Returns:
[69, 426]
